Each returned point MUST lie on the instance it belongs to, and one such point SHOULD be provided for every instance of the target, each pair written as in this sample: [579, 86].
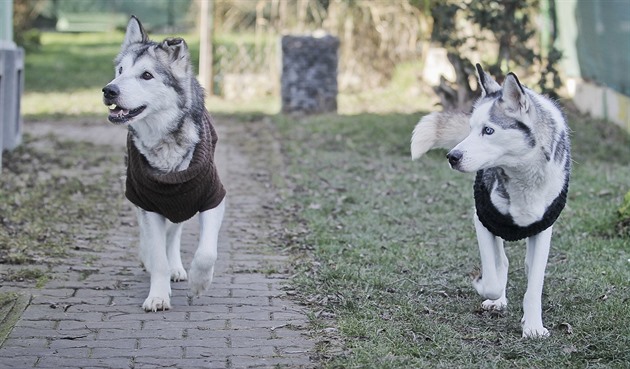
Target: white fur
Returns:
[494, 268]
[438, 130]
[154, 124]
[160, 254]
[531, 175]
[153, 255]
[534, 182]
[154, 137]
[535, 264]
[493, 281]
[202, 266]
[424, 136]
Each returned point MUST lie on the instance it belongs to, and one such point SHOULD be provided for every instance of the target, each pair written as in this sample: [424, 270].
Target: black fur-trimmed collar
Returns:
[503, 225]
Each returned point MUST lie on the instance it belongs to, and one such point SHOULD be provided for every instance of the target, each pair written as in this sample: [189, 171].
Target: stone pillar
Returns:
[309, 74]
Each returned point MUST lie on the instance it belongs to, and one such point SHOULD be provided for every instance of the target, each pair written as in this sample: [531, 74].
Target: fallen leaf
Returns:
[569, 349]
[566, 327]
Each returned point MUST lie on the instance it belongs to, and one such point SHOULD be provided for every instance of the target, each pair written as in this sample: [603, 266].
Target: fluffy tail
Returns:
[438, 130]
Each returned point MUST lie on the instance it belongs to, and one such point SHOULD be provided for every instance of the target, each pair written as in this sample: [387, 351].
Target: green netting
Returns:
[595, 38]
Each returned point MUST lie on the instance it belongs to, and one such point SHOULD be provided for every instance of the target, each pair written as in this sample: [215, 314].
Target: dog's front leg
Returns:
[202, 266]
[535, 265]
[173, 246]
[153, 253]
[494, 269]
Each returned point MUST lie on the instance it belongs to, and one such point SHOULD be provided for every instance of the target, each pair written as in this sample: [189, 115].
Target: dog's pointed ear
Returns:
[176, 51]
[135, 32]
[514, 94]
[487, 84]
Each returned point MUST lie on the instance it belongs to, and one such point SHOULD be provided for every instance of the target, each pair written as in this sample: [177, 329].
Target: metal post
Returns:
[6, 23]
[11, 81]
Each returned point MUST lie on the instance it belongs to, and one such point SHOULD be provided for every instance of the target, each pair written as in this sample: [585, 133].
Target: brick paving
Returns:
[90, 316]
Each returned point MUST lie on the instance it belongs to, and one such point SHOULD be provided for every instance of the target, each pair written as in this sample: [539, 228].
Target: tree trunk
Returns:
[459, 95]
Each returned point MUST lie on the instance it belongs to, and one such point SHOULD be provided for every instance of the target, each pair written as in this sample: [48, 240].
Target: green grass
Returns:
[387, 244]
[12, 305]
[390, 246]
[64, 78]
[69, 62]
[47, 196]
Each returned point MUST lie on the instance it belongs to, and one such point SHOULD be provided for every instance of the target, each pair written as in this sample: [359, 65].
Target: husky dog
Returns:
[171, 174]
[517, 142]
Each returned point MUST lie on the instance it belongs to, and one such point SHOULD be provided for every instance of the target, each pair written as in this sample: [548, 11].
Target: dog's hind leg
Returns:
[494, 269]
[173, 243]
[153, 251]
[535, 265]
[202, 266]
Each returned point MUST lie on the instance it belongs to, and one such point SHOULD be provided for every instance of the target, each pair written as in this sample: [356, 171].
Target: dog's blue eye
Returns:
[119, 70]
[487, 131]
[147, 76]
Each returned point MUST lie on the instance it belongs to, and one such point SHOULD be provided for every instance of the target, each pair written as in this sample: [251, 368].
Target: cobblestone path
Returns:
[90, 315]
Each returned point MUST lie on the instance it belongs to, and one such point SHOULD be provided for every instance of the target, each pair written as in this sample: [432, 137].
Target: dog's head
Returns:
[501, 127]
[151, 78]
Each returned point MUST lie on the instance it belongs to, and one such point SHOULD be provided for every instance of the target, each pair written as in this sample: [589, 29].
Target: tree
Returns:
[25, 12]
[504, 33]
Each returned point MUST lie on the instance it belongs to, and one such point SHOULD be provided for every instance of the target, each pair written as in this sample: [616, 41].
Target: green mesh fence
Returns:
[595, 38]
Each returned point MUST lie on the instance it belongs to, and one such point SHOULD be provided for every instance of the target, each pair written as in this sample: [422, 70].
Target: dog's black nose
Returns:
[454, 157]
[111, 91]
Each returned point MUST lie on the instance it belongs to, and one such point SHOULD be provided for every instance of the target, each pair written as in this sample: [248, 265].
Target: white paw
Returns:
[491, 291]
[178, 274]
[156, 303]
[499, 304]
[535, 332]
[200, 280]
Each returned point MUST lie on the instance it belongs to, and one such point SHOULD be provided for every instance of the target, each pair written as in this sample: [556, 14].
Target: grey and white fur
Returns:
[155, 94]
[518, 143]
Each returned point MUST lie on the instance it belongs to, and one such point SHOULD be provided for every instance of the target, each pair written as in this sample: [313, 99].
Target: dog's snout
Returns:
[454, 157]
[111, 91]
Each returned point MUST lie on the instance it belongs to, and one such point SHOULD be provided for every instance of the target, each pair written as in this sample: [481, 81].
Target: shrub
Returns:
[624, 215]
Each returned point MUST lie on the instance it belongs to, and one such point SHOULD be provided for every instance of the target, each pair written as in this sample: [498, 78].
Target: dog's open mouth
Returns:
[118, 114]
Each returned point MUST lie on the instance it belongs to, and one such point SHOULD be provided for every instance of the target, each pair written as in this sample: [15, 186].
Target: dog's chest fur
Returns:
[526, 198]
[165, 149]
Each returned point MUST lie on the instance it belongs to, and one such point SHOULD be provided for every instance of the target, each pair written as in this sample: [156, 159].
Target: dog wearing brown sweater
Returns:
[171, 174]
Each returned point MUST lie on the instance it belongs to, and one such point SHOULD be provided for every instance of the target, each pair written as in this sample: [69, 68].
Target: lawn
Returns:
[64, 78]
[47, 196]
[385, 246]
[388, 247]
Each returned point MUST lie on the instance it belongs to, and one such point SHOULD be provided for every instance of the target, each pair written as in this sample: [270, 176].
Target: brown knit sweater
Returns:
[177, 195]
